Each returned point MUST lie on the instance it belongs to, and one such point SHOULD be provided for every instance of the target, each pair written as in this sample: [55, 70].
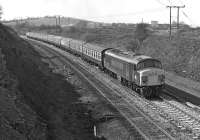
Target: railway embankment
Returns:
[185, 89]
[34, 102]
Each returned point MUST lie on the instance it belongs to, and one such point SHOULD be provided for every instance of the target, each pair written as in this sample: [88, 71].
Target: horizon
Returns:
[53, 16]
[103, 11]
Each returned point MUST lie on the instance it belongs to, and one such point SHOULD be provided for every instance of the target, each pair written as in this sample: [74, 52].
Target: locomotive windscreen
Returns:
[149, 63]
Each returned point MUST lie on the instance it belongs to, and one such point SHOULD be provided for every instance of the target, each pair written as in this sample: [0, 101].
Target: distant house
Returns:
[106, 24]
[154, 24]
[93, 25]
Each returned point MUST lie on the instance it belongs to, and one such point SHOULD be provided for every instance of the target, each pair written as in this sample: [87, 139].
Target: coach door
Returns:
[127, 71]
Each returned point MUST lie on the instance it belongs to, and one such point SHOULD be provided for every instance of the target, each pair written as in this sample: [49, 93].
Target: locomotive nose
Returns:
[151, 77]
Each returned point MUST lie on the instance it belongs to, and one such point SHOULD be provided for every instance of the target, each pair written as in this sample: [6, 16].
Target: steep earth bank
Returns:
[36, 103]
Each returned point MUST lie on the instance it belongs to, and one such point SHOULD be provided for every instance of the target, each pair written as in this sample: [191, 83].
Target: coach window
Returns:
[95, 54]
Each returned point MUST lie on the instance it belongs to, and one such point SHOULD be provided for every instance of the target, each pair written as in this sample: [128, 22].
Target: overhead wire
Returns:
[186, 15]
[188, 18]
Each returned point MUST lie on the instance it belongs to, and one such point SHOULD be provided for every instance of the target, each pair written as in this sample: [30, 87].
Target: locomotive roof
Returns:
[127, 56]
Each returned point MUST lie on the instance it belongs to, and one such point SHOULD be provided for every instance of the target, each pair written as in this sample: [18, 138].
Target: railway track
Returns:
[127, 104]
[185, 120]
[181, 116]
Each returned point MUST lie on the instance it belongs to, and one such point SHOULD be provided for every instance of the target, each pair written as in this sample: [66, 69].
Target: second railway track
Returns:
[137, 111]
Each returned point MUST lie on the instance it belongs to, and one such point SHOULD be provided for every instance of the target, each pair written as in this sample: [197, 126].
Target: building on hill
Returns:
[154, 23]
[93, 25]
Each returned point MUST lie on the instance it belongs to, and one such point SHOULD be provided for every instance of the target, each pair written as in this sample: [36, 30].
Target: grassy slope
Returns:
[180, 55]
[49, 95]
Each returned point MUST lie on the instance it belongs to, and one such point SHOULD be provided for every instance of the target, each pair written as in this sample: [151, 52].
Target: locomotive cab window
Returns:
[149, 63]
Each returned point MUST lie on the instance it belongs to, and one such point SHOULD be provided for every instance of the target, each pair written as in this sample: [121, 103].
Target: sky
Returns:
[123, 11]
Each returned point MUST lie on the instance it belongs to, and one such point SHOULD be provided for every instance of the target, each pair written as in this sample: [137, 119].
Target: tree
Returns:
[141, 32]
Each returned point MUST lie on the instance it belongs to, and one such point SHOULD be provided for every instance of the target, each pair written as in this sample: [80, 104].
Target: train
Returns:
[141, 73]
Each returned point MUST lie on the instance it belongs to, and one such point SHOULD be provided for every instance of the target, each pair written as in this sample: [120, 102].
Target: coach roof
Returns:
[94, 47]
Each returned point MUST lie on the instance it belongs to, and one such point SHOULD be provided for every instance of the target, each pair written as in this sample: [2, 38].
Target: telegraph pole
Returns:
[56, 21]
[178, 9]
[59, 20]
[178, 17]
[170, 20]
